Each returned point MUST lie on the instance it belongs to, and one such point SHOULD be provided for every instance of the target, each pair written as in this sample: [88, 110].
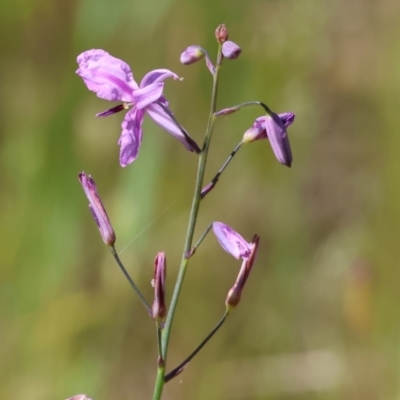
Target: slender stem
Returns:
[159, 335]
[202, 237]
[176, 371]
[130, 280]
[238, 107]
[159, 382]
[214, 180]
[190, 230]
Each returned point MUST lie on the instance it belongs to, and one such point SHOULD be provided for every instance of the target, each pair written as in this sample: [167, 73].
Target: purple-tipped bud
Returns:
[231, 50]
[191, 55]
[221, 33]
[80, 397]
[159, 309]
[231, 241]
[98, 211]
[235, 293]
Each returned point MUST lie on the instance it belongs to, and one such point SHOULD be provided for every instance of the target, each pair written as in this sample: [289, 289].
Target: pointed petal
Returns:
[161, 118]
[131, 136]
[109, 77]
[149, 94]
[279, 139]
[157, 76]
[231, 241]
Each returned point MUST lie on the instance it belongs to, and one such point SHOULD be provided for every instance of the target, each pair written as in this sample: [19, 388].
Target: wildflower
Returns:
[231, 241]
[191, 55]
[98, 211]
[273, 127]
[231, 50]
[235, 293]
[112, 79]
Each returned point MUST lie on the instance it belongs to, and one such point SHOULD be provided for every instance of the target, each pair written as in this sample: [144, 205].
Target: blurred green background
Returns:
[318, 316]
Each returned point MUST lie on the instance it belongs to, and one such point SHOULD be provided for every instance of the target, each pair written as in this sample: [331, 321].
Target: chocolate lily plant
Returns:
[112, 79]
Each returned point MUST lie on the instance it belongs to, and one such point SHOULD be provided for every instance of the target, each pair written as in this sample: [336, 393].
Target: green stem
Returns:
[190, 230]
[130, 280]
[198, 243]
[176, 371]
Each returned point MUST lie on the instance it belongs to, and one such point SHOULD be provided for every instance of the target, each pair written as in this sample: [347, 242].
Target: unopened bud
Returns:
[231, 50]
[97, 209]
[235, 293]
[221, 33]
[191, 55]
[159, 309]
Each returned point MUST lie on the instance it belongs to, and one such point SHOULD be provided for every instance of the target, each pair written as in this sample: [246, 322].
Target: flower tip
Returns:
[221, 33]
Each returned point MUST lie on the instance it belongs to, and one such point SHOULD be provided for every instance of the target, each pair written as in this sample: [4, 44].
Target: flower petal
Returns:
[149, 94]
[231, 241]
[157, 76]
[109, 77]
[279, 139]
[163, 119]
[131, 136]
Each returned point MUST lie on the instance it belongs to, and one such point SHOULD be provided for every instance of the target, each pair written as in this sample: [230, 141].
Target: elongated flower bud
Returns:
[97, 209]
[191, 55]
[159, 309]
[231, 50]
[235, 293]
[221, 33]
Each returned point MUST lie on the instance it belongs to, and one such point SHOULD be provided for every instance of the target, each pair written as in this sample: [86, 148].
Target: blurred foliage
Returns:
[317, 318]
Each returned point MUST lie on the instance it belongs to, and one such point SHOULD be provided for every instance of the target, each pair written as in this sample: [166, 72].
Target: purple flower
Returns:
[231, 241]
[273, 127]
[112, 79]
[98, 211]
[231, 50]
[159, 308]
[235, 293]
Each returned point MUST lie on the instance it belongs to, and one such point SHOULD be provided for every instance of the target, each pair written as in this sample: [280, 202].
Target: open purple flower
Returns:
[231, 241]
[273, 127]
[112, 79]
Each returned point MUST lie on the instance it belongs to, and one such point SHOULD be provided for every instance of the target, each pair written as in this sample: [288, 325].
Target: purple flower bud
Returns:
[80, 397]
[231, 241]
[159, 308]
[221, 33]
[98, 211]
[191, 55]
[273, 127]
[235, 293]
[231, 50]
